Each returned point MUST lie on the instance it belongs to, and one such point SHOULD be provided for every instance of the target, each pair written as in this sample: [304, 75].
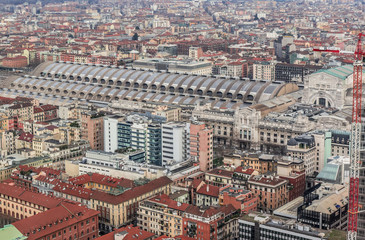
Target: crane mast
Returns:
[355, 144]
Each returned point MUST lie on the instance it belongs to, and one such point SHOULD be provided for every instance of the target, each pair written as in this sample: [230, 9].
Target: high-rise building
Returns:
[111, 133]
[92, 129]
[361, 215]
[201, 145]
[136, 132]
[175, 143]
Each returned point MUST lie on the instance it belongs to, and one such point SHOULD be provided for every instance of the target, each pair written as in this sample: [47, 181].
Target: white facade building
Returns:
[175, 143]
[111, 133]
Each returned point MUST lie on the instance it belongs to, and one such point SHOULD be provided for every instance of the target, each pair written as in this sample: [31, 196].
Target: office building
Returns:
[257, 227]
[175, 142]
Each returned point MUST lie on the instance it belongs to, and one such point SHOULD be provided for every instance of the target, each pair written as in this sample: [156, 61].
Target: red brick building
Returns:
[15, 62]
[199, 223]
[67, 221]
[272, 191]
[241, 199]
[294, 172]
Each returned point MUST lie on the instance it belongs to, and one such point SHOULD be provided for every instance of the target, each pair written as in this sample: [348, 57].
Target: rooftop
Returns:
[53, 220]
[102, 179]
[129, 233]
[132, 193]
[28, 196]
[9, 232]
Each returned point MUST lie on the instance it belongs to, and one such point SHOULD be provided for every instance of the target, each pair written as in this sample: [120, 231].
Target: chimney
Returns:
[208, 188]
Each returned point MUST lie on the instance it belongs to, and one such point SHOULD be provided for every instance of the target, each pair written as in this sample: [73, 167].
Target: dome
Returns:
[292, 142]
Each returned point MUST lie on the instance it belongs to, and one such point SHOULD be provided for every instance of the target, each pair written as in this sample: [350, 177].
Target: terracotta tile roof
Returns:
[247, 171]
[132, 233]
[269, 180]
[51, 127]
[181, 237]
[196, 182]
[37, 109]
[221, 172]
[228, 209]
[46, 170]
[46, 179]
[198, 211]
[26, 195]
[21, 105]
[102, 179]
[165, 200]
[73, 190]
[42, 224]
[132, 193]
[27, 137]
[208, 190]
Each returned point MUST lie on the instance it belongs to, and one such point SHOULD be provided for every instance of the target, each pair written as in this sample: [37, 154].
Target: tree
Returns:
[135, 37]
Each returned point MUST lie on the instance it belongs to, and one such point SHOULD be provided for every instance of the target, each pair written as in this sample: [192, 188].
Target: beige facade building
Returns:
[19, 203]
[161, 215]
[264, 71]
[118, 210]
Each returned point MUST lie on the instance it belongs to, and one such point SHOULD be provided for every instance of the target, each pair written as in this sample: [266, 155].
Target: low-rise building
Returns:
[292, 170]
[67, 221]
[207, 195]
[258, 227]
[325, 207]
[20, 203]
[219, 177]
[121, 209]
[241, 199]
[161, 215]
[128, 233]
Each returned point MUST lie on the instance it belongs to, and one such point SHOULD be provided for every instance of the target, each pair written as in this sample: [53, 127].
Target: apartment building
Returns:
[161, 215]
[292, 170]
[201, 145]
[24, 111]
[120, 209]
[219, 177]
[209, 222]
[239, 198]
[92, 128]
[20, 203]
[271, 190]
[304, 147]
[264, 71]
[175, 142]
[207, 195]
[263, 163]
[136, 132]
[102, 182]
